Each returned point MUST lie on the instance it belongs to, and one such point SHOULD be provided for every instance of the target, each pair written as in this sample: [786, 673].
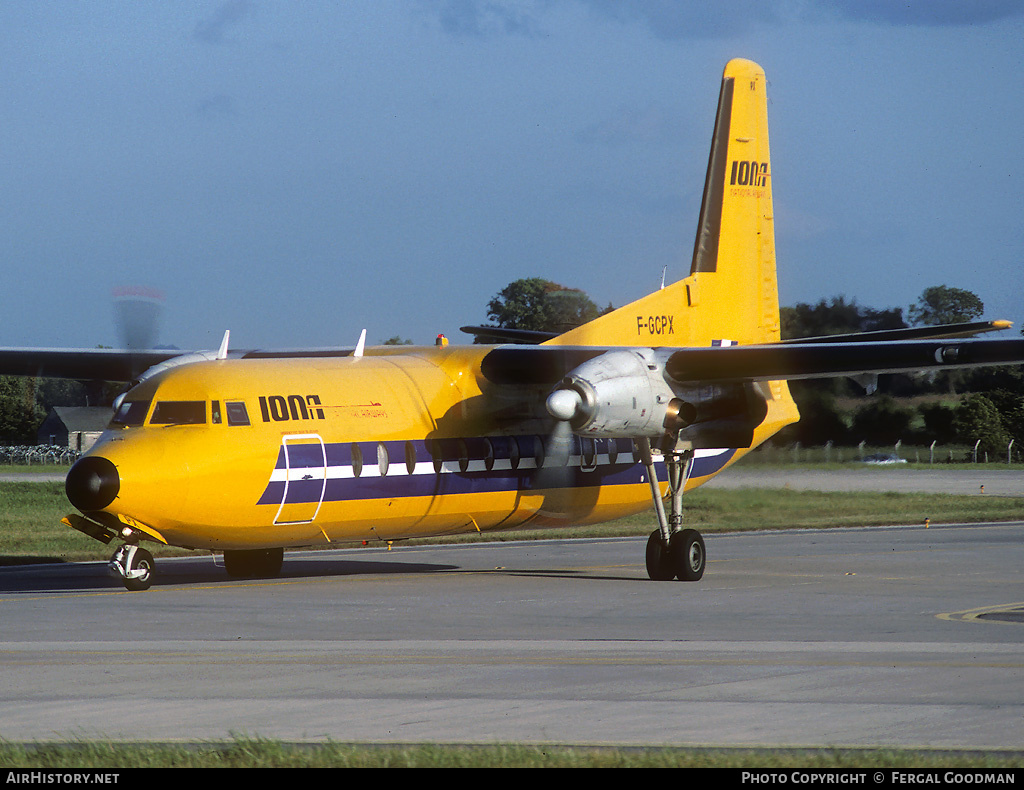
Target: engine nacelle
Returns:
[716, 415]
[625, 394]
[620, 394]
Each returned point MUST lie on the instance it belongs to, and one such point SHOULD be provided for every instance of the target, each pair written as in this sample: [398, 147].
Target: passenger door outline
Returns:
[299, 469]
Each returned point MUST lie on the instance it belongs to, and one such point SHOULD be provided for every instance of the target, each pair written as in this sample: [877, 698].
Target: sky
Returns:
[297, 172]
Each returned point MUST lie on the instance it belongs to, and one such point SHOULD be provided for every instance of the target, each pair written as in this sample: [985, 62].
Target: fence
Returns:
[37, 455]
[891, 454]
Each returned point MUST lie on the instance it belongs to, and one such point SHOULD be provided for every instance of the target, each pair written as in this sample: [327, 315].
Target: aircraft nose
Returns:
[92, 483]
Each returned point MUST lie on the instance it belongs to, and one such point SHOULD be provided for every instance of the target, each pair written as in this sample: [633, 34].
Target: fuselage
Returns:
[250, 453]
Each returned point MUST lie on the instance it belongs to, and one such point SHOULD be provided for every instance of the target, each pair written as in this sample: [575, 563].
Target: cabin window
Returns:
[131, 412]
[382, 459]
[434, 448]
[357, 460]
[589, 454]
[410, 457]
[237, 413]
[513, 452]
[535, 447]
[179, 412]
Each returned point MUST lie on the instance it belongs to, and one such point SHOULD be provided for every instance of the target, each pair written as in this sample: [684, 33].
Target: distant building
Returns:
[77, 427]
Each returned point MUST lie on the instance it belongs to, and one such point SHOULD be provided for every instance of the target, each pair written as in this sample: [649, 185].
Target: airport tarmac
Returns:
[907, 637]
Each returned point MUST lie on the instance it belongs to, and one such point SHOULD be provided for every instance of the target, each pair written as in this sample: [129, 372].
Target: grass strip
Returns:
[30, 513]
[259, 753]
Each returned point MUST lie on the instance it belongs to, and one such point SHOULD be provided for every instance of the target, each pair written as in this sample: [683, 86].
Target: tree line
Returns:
[947, 407]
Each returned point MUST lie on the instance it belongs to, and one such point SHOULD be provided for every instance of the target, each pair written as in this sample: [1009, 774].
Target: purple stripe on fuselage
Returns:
[399, 482]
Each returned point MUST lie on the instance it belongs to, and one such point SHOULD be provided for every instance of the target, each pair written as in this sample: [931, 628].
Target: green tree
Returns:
[821, 421]
[978, 418]
[942, 304]
[540, 305]
[835, 317]
[938, 422]
[1010, 406]
[882, 421]
[19, 413]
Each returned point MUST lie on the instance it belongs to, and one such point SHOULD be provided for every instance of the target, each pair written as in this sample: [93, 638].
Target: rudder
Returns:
[731, 293]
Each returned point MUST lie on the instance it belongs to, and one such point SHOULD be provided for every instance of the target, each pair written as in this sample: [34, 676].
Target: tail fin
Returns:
[731, 293]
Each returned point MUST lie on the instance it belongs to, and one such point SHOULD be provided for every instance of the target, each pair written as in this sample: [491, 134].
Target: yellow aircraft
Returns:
[249, 452]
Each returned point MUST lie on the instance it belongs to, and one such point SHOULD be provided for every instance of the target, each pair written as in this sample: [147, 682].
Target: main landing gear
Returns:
[134, 566]
[672, 552]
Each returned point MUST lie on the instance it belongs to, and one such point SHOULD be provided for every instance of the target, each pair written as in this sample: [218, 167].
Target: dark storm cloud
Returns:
[933, 13]
[670, 19]
[213, 29]
[488, 17]
[674, 20]
[219, 104]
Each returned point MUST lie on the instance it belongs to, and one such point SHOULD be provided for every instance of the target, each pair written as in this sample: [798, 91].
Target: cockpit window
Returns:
[237, 414]
[179, 412]
[131, 412]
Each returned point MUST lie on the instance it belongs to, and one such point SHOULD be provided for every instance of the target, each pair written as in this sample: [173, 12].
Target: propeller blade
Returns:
[137, 315]
[558, 447]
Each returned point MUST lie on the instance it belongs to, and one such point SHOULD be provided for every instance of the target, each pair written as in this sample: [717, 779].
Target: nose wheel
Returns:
[134, 566]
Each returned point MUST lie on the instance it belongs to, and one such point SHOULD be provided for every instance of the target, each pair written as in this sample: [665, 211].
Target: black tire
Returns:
[659, 560]
[688, 556]
[142, 560]
[253, 563]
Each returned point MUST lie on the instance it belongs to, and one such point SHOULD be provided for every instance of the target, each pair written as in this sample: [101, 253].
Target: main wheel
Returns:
[688, 556]
[659, 559]
[254, 563]
[141, 569]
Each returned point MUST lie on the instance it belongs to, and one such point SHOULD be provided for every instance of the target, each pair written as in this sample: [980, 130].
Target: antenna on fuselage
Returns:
[359, 346]
[222, 353]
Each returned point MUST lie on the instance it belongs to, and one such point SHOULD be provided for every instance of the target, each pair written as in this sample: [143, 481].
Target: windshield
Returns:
[131, 412]
[179, 412]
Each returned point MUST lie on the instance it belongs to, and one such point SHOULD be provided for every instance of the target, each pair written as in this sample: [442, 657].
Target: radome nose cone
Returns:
[92, 483]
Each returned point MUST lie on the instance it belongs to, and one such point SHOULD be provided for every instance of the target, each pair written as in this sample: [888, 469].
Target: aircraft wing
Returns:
[495, 334]
[825, 360]
[87, 364]
[539, 365]
[966, 329]
[108, 364]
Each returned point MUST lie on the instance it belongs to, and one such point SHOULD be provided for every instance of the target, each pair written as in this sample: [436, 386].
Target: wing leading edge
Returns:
[539, 365]
[825, 360]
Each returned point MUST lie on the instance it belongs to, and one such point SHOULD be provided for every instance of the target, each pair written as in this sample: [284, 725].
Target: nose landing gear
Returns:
[134, 566]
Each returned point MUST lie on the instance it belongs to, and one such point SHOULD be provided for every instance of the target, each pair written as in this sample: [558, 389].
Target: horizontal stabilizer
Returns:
[498, 334]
